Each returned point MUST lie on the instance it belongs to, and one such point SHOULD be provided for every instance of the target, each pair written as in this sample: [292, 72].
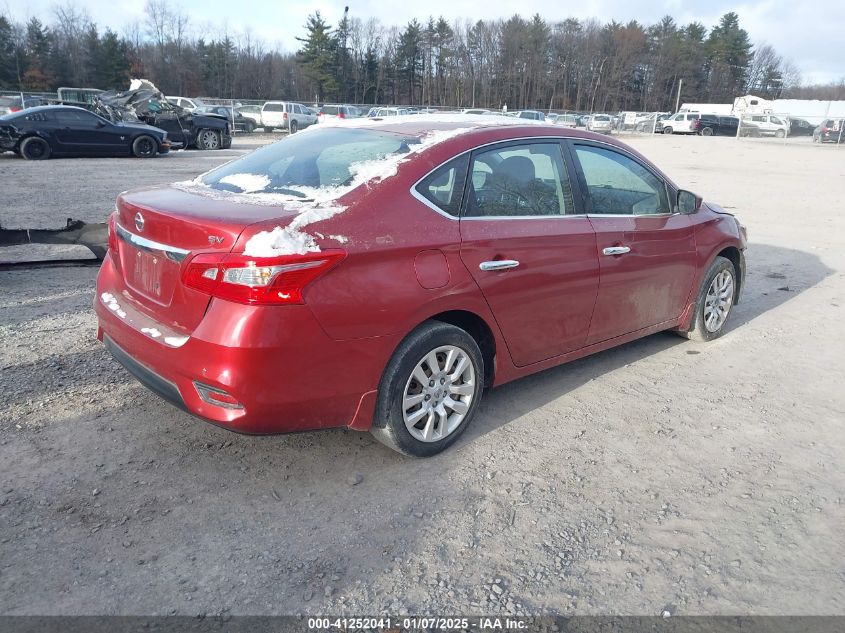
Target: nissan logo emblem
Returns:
[139, 221]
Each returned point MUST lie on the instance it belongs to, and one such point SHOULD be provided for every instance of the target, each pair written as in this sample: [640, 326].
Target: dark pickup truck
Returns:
[709, 125]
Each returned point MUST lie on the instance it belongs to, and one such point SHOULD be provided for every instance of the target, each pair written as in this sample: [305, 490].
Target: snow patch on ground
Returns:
[247, 183]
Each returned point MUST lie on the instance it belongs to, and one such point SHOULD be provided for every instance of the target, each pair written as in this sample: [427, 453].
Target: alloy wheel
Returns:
[438, 394]
[209, 140]
[718, 302]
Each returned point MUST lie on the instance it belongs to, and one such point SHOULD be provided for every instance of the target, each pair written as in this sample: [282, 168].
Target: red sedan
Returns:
[378, 275]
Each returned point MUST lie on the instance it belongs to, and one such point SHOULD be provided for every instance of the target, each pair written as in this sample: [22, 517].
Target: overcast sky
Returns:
[810, 35]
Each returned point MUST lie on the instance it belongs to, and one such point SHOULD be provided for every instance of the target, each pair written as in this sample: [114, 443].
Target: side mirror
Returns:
[688, 202]
[101, 124]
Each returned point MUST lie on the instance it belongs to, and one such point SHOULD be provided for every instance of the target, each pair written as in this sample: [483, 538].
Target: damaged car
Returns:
[145, 103]
[44, 131]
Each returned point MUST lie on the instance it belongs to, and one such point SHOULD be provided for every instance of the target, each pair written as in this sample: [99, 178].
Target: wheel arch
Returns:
[477, 328]
[732, 254]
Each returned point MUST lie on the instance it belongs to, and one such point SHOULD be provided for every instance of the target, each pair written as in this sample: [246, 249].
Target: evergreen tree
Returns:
[8, 56]
[728, 57]
[318, 55]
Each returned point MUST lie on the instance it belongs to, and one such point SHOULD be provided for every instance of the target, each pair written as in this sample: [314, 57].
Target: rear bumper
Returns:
[284, 371]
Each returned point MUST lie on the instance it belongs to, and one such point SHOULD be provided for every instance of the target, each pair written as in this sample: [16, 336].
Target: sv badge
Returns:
[215, 239]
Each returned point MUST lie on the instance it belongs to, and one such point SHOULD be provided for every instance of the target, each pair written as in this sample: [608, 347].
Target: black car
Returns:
[713, 125]
[242, 123]
[44, 131]
[800, 127]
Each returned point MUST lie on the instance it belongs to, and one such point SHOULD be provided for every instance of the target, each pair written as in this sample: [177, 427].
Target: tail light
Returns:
[113, 240]
[257, 280]
[696, 123]
[341, 115]
[14, 109]
[285, 116]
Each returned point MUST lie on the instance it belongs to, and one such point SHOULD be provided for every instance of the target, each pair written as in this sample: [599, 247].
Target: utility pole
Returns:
[678, 99]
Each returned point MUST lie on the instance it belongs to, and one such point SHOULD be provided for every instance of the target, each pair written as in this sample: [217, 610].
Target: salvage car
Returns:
[275, 294]
[44, 131]
[145, 103]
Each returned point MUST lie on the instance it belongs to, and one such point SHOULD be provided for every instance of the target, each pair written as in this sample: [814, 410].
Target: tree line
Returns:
[522, 63]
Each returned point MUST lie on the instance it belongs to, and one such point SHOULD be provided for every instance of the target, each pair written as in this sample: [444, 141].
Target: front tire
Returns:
[208, 139]
[429, 391]
[780, 134]
[716, 298]
[667, 130]
[34, 148]
[144, 147]
[293, 126]
[249, 128]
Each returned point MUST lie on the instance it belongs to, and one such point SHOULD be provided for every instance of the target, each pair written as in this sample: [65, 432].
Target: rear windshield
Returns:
[322, 158]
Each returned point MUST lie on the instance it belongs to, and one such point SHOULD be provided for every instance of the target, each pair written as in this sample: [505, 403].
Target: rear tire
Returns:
[707, 132]
[267, 128]
[144, 147]
[249, 128]
[35, 148]
[716, 298]
[293, 126]
[420, 418]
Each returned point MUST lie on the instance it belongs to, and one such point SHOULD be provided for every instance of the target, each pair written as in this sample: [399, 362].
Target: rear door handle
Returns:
[616, 250]
[499, 264]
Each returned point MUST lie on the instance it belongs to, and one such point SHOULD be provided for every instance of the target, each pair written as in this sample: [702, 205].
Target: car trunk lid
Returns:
[158, 230]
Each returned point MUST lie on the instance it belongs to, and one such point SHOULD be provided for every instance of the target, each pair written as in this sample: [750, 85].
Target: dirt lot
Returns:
[663, 475]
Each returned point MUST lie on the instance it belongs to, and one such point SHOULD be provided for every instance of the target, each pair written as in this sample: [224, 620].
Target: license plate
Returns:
[148, 273]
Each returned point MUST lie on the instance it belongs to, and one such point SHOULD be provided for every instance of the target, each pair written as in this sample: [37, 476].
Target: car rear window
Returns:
[274, 107]
[323, 158]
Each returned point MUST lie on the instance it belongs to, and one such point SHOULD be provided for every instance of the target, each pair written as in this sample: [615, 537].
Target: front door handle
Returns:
[499, 264]
[616, 250]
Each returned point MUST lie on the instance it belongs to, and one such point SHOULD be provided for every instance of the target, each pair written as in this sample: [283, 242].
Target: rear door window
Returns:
[519, 180]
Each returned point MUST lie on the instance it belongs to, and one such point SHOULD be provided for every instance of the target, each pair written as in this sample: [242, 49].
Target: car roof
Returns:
[53, 108]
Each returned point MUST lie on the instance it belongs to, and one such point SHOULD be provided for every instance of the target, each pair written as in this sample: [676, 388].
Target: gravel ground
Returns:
[662, 475]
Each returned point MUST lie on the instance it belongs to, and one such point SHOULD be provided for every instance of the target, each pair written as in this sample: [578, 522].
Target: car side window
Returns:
[619, 185]
[519, 180]
[77, 118]
[445, 185]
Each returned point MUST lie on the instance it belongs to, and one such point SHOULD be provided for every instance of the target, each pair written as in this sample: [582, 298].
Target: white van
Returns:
[680, 123]
[286, 116]
[769, 124]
